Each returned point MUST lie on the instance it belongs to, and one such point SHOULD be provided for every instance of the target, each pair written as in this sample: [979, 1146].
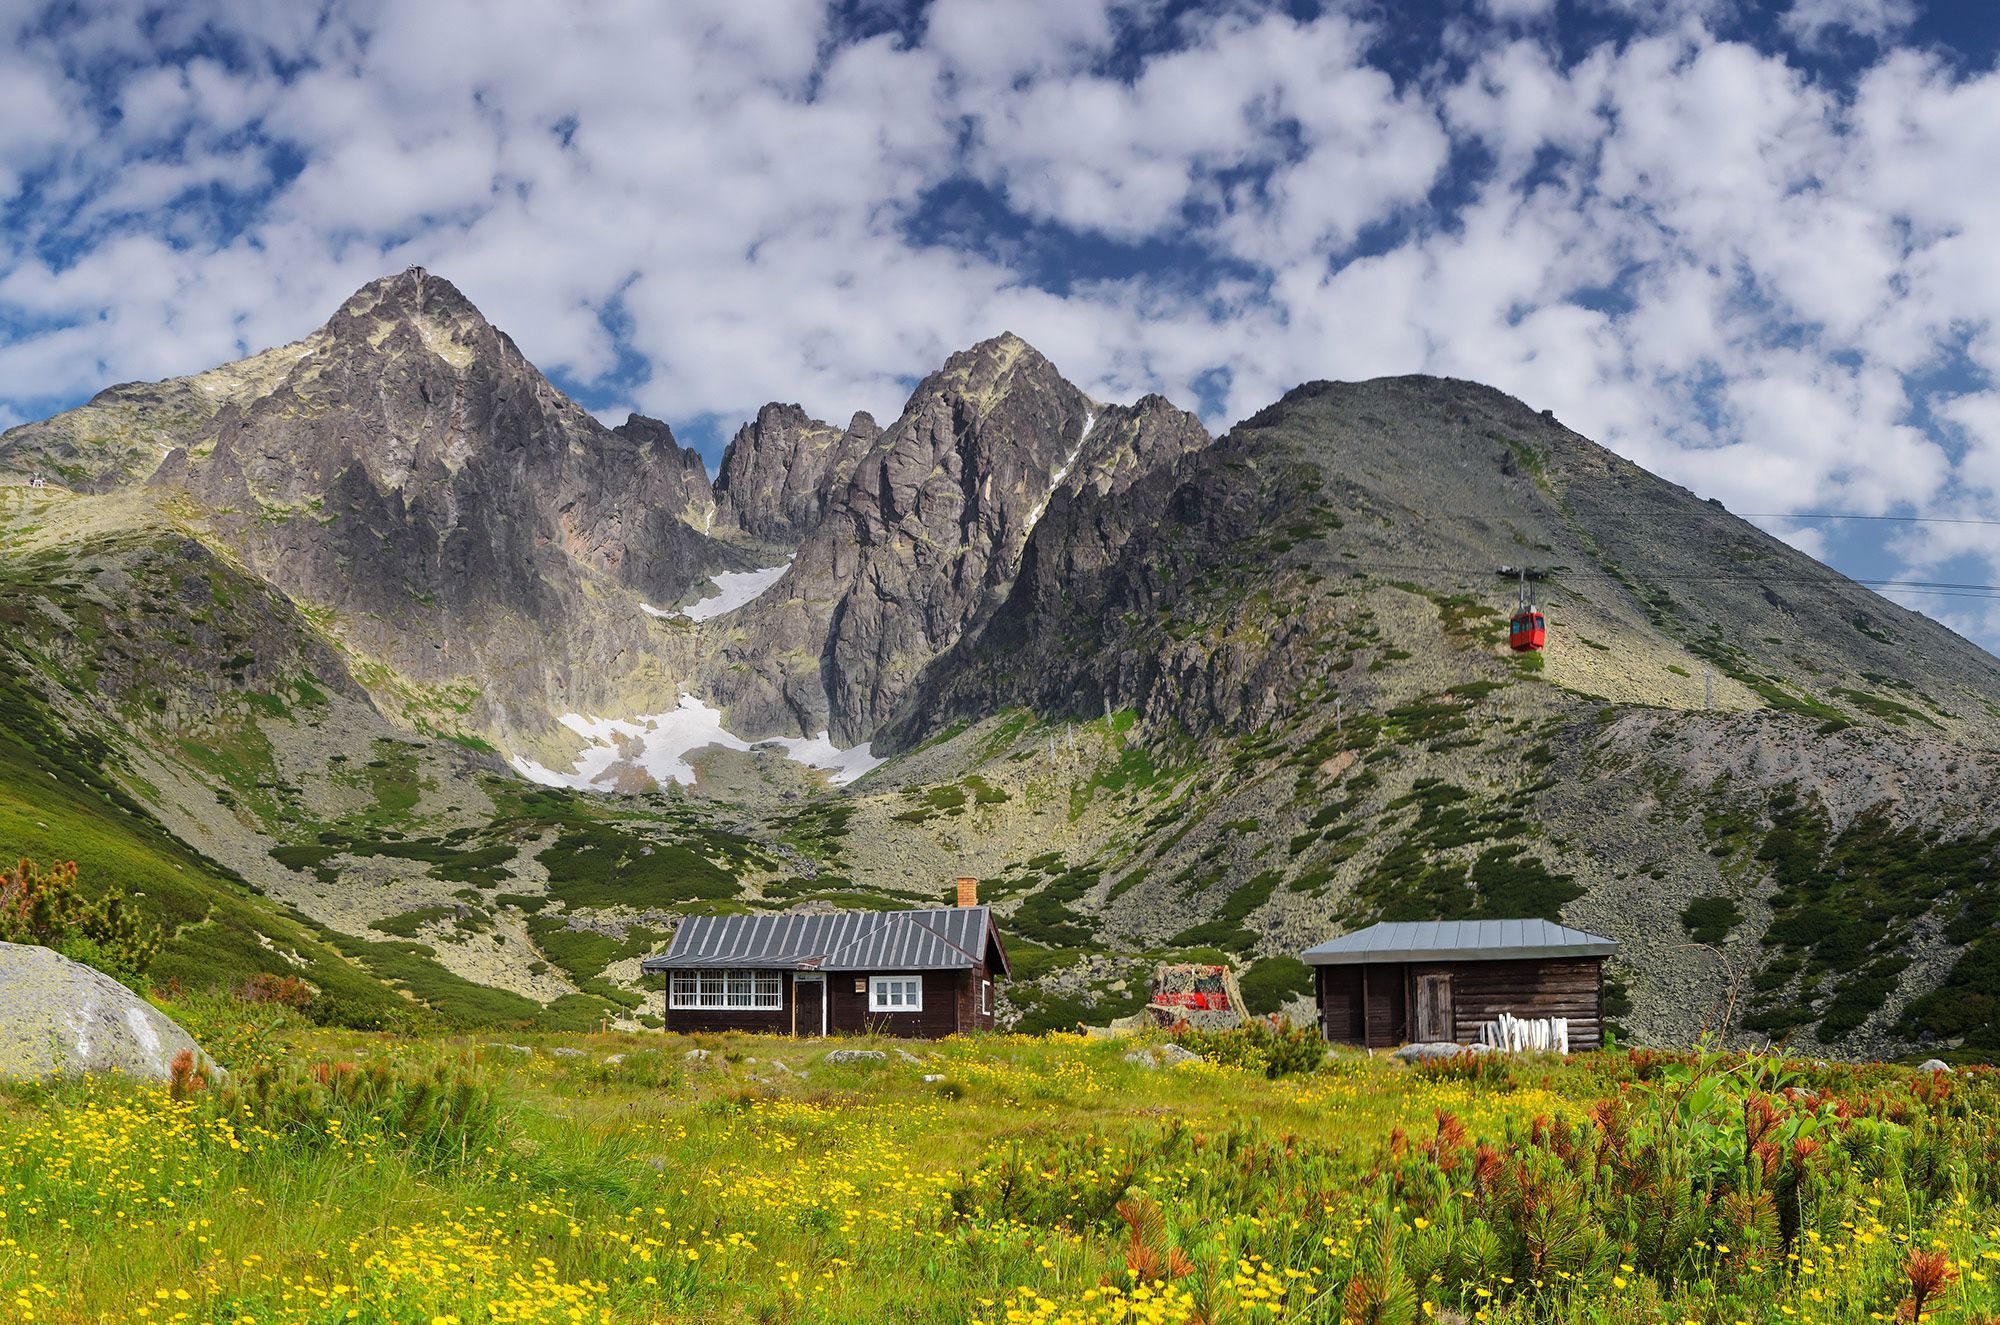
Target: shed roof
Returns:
[1458, 941]
[944, 938]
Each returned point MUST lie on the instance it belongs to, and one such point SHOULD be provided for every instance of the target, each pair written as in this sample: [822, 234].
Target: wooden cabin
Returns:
[921, 974]
[1437, 981]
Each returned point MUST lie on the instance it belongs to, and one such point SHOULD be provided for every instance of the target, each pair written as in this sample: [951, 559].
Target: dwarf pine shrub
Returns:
[47, 907]
[1269, 1045]
[444, 1115]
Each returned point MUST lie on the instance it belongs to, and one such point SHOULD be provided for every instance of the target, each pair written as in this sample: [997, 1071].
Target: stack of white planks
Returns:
[1518, 1035]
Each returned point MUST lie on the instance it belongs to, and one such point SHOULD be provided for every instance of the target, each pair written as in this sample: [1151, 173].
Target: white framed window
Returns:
[895, 993]
[985, 998]
[727, 991]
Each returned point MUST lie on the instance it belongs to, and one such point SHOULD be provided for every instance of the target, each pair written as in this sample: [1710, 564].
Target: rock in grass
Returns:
[1162, 1055]
[856, 1056]
[1424, 1052]
[61, 1018]
[566, 1051]
[1934, 1065]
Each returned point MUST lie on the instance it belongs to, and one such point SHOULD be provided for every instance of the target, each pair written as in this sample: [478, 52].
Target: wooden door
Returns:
[1434, 1019]
[809, 1005]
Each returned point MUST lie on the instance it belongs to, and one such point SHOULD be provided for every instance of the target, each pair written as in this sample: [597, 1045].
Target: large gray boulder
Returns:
[1162, 1055]
[61, 1018]
[856, 1056]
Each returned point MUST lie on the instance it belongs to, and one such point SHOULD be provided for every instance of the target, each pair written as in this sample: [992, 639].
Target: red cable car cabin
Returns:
[1527, 631]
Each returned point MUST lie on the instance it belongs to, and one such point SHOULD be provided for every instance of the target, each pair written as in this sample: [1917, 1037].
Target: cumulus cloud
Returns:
[1770, 277]
[1812, 21]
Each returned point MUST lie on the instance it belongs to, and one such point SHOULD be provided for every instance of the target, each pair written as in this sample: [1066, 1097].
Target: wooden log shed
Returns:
[1404, 981]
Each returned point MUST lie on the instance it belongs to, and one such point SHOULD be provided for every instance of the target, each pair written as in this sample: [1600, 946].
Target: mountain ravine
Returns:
[284, 636]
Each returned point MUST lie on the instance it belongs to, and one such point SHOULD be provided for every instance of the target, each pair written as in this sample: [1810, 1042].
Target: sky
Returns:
[1753, 247]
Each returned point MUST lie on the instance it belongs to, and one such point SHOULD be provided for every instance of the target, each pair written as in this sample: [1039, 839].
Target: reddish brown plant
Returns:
[1930, 1274]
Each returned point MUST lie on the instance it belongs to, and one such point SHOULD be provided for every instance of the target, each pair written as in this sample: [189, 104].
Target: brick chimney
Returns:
[968, 892]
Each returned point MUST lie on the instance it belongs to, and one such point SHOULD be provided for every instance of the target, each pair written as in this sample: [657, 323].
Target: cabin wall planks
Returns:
[951, 1007]
[1379, 996]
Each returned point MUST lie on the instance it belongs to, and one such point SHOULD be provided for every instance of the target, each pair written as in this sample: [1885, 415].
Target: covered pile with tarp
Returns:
[1205, 998]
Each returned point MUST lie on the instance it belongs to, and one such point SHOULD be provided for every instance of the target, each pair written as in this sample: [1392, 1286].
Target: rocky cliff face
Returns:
[783, 470]
[926, 537]
[464, 522]
[682, 476]
[1117, 607]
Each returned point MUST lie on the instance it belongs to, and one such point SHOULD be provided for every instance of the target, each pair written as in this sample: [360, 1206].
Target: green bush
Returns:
[45, 907]
[1271, 982]
[1263, 1044]
[1709, 919]
[441, 1116]
[237, 1032]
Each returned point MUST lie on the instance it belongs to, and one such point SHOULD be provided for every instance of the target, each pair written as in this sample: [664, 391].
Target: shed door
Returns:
[809, 1004]
[1434, 1020]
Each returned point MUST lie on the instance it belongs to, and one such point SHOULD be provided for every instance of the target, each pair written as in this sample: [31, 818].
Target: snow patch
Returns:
[1062, 470]
[733, 589]
[660, 743]
[820, 752]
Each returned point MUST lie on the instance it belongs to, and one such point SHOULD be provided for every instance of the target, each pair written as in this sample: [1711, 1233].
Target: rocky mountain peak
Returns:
[412, 291]
[783, 469]
[927, 535]
[416, 313]
[984, 374]
[414, 472]
[687, 474]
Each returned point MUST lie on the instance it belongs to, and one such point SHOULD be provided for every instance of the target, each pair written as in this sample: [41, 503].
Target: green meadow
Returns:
[369, 1177]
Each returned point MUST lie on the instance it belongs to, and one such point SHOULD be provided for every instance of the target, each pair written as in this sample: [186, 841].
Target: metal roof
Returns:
[1458, 940]
[945, 938]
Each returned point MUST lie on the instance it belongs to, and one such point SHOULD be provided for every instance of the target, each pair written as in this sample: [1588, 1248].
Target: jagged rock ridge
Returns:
[926, 537]
[465, 522]
[783, 469]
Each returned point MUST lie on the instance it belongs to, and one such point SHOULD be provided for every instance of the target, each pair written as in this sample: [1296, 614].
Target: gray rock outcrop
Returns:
[460, 517]
[1162, 1055]
[856, 1056]
[61, 1018]
[927, 537]
[783, 469]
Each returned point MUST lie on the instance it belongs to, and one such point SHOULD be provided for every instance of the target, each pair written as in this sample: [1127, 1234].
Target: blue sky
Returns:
[1751, 247]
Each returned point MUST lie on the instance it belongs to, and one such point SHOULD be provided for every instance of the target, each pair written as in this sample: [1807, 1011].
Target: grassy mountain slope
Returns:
[185, 734]
[1307, 619]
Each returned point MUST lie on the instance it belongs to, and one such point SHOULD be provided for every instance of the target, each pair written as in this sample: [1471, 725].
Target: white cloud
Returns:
[993, 43]
[1518, 11]
[1810, 21]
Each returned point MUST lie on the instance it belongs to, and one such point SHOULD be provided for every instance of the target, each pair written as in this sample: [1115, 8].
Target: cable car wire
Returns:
[1947, 588]
[1841, 515]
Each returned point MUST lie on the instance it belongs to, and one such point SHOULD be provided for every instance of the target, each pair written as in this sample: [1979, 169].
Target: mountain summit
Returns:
[463, 520]
[925, 536]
